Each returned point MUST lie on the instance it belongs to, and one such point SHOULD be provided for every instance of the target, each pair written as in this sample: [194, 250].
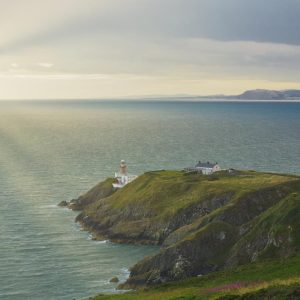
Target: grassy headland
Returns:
[204, 224]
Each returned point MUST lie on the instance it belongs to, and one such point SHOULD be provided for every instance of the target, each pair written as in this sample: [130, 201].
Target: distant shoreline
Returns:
[152, 100]
[258, 95]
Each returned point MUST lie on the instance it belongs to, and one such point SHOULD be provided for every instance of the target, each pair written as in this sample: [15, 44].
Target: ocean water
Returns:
[55, 150]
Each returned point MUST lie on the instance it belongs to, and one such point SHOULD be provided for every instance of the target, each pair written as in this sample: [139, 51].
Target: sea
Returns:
[56, 150]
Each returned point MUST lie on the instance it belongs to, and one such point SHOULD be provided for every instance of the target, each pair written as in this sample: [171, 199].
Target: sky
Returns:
[60, 49]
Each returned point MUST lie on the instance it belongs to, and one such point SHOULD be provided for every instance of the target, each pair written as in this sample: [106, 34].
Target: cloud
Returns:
[24, 74]
[273, 21]
[157, 40]
[45, 64]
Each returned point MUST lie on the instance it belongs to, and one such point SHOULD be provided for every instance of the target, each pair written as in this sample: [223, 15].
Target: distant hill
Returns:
[261, 94]
[257, 94]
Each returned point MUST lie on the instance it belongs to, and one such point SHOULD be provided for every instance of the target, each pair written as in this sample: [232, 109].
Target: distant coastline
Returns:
[257, 95]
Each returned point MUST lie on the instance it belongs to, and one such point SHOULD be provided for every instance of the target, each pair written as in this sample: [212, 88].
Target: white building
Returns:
[205, 168]
[122, 177]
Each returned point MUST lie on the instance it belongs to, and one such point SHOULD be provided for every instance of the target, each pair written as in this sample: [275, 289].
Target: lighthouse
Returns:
[123, 167]
[122, 177]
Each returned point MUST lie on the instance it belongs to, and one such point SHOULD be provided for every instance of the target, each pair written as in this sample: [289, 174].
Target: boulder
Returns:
[63, 203]
[114, 280]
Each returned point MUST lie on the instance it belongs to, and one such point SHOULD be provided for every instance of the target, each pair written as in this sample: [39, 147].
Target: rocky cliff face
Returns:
[203, 223]
[241, 233]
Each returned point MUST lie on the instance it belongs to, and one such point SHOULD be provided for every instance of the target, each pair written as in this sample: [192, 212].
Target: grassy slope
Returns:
[99, 191]
[165, 192]
[159, 197]
[274, 232]
[280, 224]
[240, 280]
[156, 197]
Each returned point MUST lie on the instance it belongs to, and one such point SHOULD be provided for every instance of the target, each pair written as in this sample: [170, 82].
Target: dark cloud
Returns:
[274, 21]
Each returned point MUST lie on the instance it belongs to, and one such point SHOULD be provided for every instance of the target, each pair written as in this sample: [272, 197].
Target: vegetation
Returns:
[158, 197]
[276, 279]
[220, 229]
[100, 191]
[165, 192]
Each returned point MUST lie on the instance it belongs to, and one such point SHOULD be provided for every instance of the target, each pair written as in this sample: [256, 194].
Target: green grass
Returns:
[166, 192]
[282, 221]
[166, 206]
[274, 292]
[141, 211]
[238, 281]
[100, 191]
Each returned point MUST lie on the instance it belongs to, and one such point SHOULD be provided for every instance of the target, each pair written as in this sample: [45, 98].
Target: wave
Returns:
[91, 238]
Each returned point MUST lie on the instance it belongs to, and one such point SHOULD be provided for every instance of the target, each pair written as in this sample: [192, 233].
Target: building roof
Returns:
[205, 165]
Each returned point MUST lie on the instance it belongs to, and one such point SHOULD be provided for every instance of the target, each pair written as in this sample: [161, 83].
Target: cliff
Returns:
[272, 279]
[203, 223]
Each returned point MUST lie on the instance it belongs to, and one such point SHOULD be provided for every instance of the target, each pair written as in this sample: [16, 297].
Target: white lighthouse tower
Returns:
[122, 176]
[123, 167]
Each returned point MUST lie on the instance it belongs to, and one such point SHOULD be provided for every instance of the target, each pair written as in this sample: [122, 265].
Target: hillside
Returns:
[273, 279]
[100, 191]
[203, 223]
